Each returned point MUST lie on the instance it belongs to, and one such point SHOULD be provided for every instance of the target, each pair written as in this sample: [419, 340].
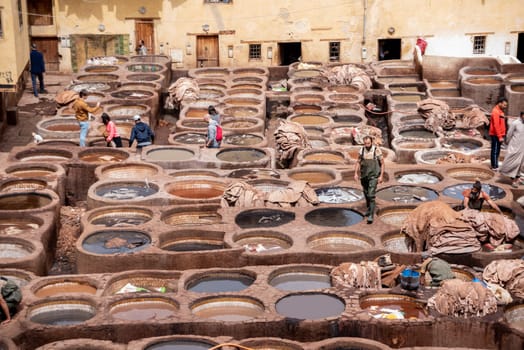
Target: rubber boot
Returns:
[371, 213]
[367, 207]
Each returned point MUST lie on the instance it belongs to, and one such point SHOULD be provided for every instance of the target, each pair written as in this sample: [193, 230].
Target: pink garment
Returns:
[111, 131]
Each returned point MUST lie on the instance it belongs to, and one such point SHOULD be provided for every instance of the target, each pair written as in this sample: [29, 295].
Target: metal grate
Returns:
[479, 44]
[255, 51]
[334, 51]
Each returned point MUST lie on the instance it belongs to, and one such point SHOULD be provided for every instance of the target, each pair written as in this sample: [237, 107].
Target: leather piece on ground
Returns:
[66, 97]
[349, 75]
[491, 227]
[184, 89]
[463, 299]
[358, 133]
[437, 114]
[241, 194]
[452, 158]
[290, 138]
[365, 274]
[473, 118]
[507, 273]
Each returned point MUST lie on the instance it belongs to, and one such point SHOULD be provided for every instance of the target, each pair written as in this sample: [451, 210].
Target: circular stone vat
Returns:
[261, 241]
[417, 133]
[190, 138]
[249, 71]
[324, 157]
[210, 93]
[312, 176]
[61, 312]
[102, 155]
[470, 173]
[66, 286]
[17, 185]
[32, 170]
[241, 155]
[463, 144]
[145, 67]
[241, 111]
[407, 97]
[442, 84]
[119, 216]
[407, 194]
[19, 277]
[228, 309]
[343, 89]
[260, 218]
[308, 99]
[100, 69]
[43, 154]
[350, 119]
[300, 278]
[254, 174]
[15, 248]
[196, 189]
[515, 317]
[339, 195]
[123, 191]
[310, 119]
[306, 109]
[193, 173]
[143, 309]
[90, 87]
[128, 171]
[13, 226]
[333, 217]
[179, 344]
[123, 127]
[398, 242]
[58, 127]
[243, 140]
[145, 77]
[100, 77]
[455, 191]
[245, 102]
[304, 73]
[310, 306]
[344, 98]
[339, 242]
[193, 240]
[220, 282]
[133, 94]
[248, 79]
[375, 305]
[269, 185]
[271, 344]
[192, 216]
[127, 111]
[24, 201]
[116, 242]
[418, 177]
[143, 282]
[395, 216]
[169, 154]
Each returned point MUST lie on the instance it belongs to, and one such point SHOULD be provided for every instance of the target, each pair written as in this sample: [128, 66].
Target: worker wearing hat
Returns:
[142, 133]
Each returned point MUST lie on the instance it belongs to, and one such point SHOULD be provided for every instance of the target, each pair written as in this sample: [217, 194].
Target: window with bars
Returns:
[255, 51]
[20, 14]
[334, 51]
[479, 44]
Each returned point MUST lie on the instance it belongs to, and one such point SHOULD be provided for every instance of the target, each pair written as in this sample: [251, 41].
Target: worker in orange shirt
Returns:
[497, 131]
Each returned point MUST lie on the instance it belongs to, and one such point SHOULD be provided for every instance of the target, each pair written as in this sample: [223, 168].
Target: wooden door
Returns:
[207, 51]
[49, 47]
[145, 30]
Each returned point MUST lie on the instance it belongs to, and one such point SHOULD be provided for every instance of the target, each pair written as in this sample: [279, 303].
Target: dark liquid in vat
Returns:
[407, 194]
[258, 218]
[192, 246]
[180, 345]
[310, 306]
[113, 242]
[23, 201]
[455, 191]
[301, 281]
[62, 317]
[126, 192]
[221, 284]
[334, 217]
[240, 155]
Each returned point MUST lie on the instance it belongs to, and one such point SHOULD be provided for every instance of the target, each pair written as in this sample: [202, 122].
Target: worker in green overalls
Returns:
[370, 170]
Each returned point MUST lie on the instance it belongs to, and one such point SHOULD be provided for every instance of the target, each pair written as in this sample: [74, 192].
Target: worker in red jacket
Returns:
[497, 131]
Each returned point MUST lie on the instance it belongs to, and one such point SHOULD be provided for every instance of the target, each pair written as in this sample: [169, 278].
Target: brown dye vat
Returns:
[482, 81]
[103, 157]
[400, 88]
[67, 127]
[23, 201]
[242, 102]
[144, 309]
[243, 140]
[470, 174]
[254, 174]
[249, 71]
[254, 93]
[239, 124]
[307, 108]
[394, 80]
[395, 216]
[228, 309]
[344, 98]
[313, 177]
[239, 112]
[407, 98]
[271, 344]
[209, 72]
[247, 78]
[17, 226]
[309, 99]
[398, 242]
[169, 154]
[247, 86]
[324, 157]
[240, 155]
[344, 88]
[261, 241]
[100, 69]
[66, 287]
[13, 248]
[192, 217]
[193, 173]
[129, 171]
[406, 305]
[446, 93]
[310, 119]
[305, 73]
[126, 111]
[442, 84]
[196, 113]
[211, 86]
[31, 172]
[339, 241]
[313, 131]
[196, 189]
[515, 317]
[480, 71]
[210, 93]
[23, 185]
[43, 155]
[97, 78]
[517, 88]
[180, 344]
[310, 306]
